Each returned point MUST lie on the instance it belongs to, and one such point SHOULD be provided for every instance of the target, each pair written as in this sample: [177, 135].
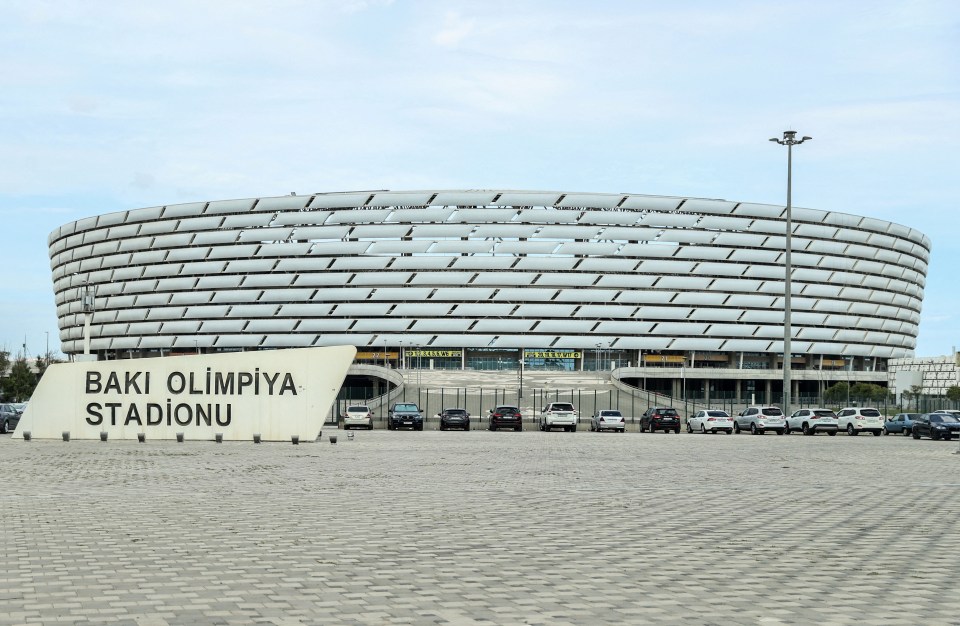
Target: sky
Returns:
[108, 106]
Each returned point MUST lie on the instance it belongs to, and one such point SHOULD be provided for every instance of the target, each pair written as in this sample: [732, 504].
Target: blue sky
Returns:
[110, 106]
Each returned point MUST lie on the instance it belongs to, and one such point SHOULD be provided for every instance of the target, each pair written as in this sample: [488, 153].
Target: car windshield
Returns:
[910, 416]
[21, 407]
[506, 409]
[824, 413]
[455, 412]
[611, 413]
[358, 409]
[946, 417]
[406, 407]
[772, 412]
[870, 413]
[717, 414]
[560, 406]
[668, 412]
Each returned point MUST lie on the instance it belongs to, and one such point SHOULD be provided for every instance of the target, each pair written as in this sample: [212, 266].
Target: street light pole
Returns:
[789, 140]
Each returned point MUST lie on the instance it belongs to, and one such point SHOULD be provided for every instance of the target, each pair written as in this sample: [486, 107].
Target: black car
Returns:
[660, 418]
[936, 426]
[9, 417]
[506, 416]
[405, 415]
[455, 418]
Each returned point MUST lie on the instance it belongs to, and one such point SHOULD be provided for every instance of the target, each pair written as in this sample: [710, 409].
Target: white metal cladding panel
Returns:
[815, 231]
[145, 214]
[161, 270]
[187, 254]
[756, 255]
[651, 203]
[375, 279]
[218, 281]
[626, 281]
[719, 269]
[618, 233]
[750, 301]
[601, 311]
[458, 247]
[288, 341]
[545, 310]
[268, 280]
[183, 210]
[204, 268]
[190, 297]
[236, 296]
[638, 296]
[649, 250]
[732, 285]
[678, 329]
[143, 328]
[850, 336]
[593, 200]
[503, 326]
[340, 200]
[364, 309]
[359, 217]
[586, 295]
[433, 214]
[725, 224]
[816, 334]
[180, 327]
[400, 198]
[304, 220]
[871, 323]
[484, 309]
[139, 286]
[271, 326]
[94, 236]
[277, 203]
[288, 295]
[461, 294]
[441, 278]
[176, 240]
[194, 224]
[802, 259]
[206, 311]
[565, 327]
[666, 267]
[526, 247]
[464, 198]
[565, 279]
[770, 332]
[421, 263]
[670, 220]
[85, 224]
[395, 248]
[138, 243]
[89, 265]
[223, 326]
[904, 301]
[759, 210]
[876, 282]
[359, 263]
[771, 272]
[427, 326]
[421, 309]
[216, 237]
[624, 327]
[380, 231]
[568, 231]
[484, 216]
[704, 253]
[323, 278]
[527, 198]
[381, 325]
[773, 316]
[706, 314]
[611, 218]
[546, 264]
[801, 274]
[266, 235]
[233, 251]
[663, 313]
[441, 231]
[390, 294]
[305, 311]
[244, 221]
[820, 291]
[247, 266]
[335, 248]
[863, 308]
[222, 207]
[239, 341]
[731, 330]
[583, 248]
[700, 298]
[324, 325]
[503, 278]
[683, 283]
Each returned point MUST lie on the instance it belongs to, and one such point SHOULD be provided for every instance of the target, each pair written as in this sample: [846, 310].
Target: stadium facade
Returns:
[487, 279]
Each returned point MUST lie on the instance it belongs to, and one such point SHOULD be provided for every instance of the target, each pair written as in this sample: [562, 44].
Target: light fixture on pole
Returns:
[789, 140]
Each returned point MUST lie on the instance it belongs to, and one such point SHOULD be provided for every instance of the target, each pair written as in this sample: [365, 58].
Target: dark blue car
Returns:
[901, 423]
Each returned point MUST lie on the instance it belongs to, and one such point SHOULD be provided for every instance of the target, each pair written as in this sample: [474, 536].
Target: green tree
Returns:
[953, 393]
[21, 382]
[838, 393]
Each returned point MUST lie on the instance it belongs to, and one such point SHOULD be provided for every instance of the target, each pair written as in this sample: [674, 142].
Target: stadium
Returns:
[656, 288]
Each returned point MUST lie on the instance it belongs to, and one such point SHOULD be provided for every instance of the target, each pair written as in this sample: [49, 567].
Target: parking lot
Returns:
[482, 527]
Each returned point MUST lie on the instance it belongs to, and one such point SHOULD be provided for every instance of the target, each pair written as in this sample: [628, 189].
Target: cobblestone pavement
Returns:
[482, 528]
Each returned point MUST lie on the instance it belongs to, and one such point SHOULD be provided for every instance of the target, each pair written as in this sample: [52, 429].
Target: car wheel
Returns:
[831, 433]
[851, 431]
[782, 431]
[906, 432]
[753, 429]
[676, 431]
[690, 429]
[3, 428]
[518, 428]
[915, 434]
[935, 435]
[886, 432]
[786, 430]
[729, 431]
[876, 433]
[703, 430]
[807, 430]
[466, 426]
[736, 428]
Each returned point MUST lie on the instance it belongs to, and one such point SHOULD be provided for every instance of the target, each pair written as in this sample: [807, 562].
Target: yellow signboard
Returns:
[536, 354]
[433, 353]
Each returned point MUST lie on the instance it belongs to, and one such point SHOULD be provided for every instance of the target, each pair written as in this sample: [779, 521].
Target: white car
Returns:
[358, 415]
[710, 421]
[559, 415]
[856, 420]
[608, 419]
[812, 421]
[759, 419]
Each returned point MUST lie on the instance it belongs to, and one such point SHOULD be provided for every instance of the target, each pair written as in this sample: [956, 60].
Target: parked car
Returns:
[505, 416]
[559, 415]
[608, 419]
[759, 419]
[357, 415]
[405, 414]
[710, 421]
[900, 423]
[9, 417]
[660, 418]
[812, 421]
[856, 420]
[455, 418]
[936, 426]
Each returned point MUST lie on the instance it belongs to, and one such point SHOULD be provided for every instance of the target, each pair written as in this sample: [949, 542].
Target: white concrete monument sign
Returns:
[277, 394]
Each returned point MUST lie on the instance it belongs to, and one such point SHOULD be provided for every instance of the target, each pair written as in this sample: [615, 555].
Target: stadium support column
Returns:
[789, 140]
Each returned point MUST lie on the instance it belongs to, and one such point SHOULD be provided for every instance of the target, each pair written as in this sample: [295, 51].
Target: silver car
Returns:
[710, 421]
[357, 415]
[759, 419]
[608, 419]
